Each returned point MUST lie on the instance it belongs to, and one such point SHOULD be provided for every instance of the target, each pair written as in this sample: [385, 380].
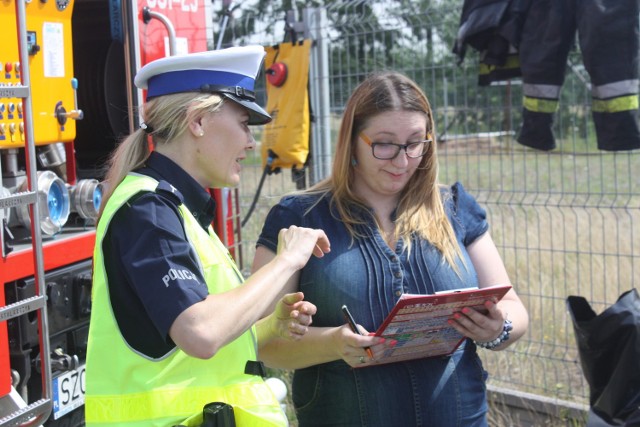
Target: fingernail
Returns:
[456, 316]
[393, 343]
[465, 310]
[381, 341]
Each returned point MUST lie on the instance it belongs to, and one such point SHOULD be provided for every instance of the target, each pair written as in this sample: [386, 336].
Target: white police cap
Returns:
[229, 72]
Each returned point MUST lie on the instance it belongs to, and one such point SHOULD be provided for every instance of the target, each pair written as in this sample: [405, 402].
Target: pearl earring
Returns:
[201, 133]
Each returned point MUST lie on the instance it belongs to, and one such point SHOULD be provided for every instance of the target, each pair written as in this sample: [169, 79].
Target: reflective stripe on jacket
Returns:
[126, 388]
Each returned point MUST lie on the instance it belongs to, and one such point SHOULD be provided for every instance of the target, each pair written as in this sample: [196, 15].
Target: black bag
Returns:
[609, 351]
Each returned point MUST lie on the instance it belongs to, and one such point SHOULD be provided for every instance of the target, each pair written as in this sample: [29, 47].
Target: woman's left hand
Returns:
[478, 326]
[292, 316]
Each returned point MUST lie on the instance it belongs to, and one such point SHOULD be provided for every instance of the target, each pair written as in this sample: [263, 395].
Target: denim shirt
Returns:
[369, 276]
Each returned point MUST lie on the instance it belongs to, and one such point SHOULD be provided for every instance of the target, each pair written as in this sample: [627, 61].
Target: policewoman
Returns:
[173, 327]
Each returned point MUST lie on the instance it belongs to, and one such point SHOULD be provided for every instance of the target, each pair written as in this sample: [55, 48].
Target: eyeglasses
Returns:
[389, 151]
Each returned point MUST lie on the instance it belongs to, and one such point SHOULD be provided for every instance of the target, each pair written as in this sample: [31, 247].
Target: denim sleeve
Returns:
[469, 214]
[283, 215]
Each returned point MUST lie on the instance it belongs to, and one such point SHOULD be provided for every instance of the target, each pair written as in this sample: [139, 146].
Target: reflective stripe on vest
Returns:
[127, 388]
[138, 407]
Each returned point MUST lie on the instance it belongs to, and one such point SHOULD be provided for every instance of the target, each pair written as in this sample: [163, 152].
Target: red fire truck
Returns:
[66, 98]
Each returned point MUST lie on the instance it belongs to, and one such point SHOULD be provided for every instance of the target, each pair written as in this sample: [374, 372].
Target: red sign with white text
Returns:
[189, 20]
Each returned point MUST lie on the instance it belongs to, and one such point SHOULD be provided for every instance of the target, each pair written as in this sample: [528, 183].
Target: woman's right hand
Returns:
[351, 347]
[297, 244]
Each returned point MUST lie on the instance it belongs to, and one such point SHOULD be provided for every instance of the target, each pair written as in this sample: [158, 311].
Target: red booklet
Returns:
[419, 322]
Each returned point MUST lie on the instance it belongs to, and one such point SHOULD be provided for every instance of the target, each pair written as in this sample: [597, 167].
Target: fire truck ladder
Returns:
[37, 412]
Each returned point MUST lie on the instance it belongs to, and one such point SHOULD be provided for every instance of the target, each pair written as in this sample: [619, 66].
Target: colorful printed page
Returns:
[419, 322]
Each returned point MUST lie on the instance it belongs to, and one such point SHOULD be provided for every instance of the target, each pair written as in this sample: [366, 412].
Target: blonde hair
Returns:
[167, 118]
[420, 209]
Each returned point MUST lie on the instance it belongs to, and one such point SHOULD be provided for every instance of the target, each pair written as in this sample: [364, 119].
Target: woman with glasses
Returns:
[393, 230]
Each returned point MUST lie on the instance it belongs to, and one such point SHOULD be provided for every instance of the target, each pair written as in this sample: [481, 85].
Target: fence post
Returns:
[315, 24]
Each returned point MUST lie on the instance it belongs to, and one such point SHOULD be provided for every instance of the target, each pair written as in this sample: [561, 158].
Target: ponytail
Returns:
[129, 155]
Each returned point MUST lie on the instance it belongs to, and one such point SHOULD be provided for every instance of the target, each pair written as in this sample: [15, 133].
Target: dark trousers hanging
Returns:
[609, 41]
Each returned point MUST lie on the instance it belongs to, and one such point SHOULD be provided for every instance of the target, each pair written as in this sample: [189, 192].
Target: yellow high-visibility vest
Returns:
[126, 388]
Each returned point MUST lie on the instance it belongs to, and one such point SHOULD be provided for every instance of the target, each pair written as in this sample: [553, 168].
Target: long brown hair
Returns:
[420, 209]
[166, 118]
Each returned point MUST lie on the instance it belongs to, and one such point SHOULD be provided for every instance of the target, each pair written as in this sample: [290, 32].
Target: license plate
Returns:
[68, 392]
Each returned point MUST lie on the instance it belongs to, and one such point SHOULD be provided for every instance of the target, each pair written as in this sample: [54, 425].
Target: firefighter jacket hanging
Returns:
[543, 32]
[492, 27]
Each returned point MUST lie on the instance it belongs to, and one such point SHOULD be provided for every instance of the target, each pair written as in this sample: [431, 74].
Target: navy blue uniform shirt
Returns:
[153, 271]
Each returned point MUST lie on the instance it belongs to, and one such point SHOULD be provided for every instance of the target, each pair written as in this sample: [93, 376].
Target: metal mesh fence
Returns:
[566, 222]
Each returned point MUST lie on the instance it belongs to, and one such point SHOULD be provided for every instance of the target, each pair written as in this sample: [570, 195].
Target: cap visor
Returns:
[257, 116]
